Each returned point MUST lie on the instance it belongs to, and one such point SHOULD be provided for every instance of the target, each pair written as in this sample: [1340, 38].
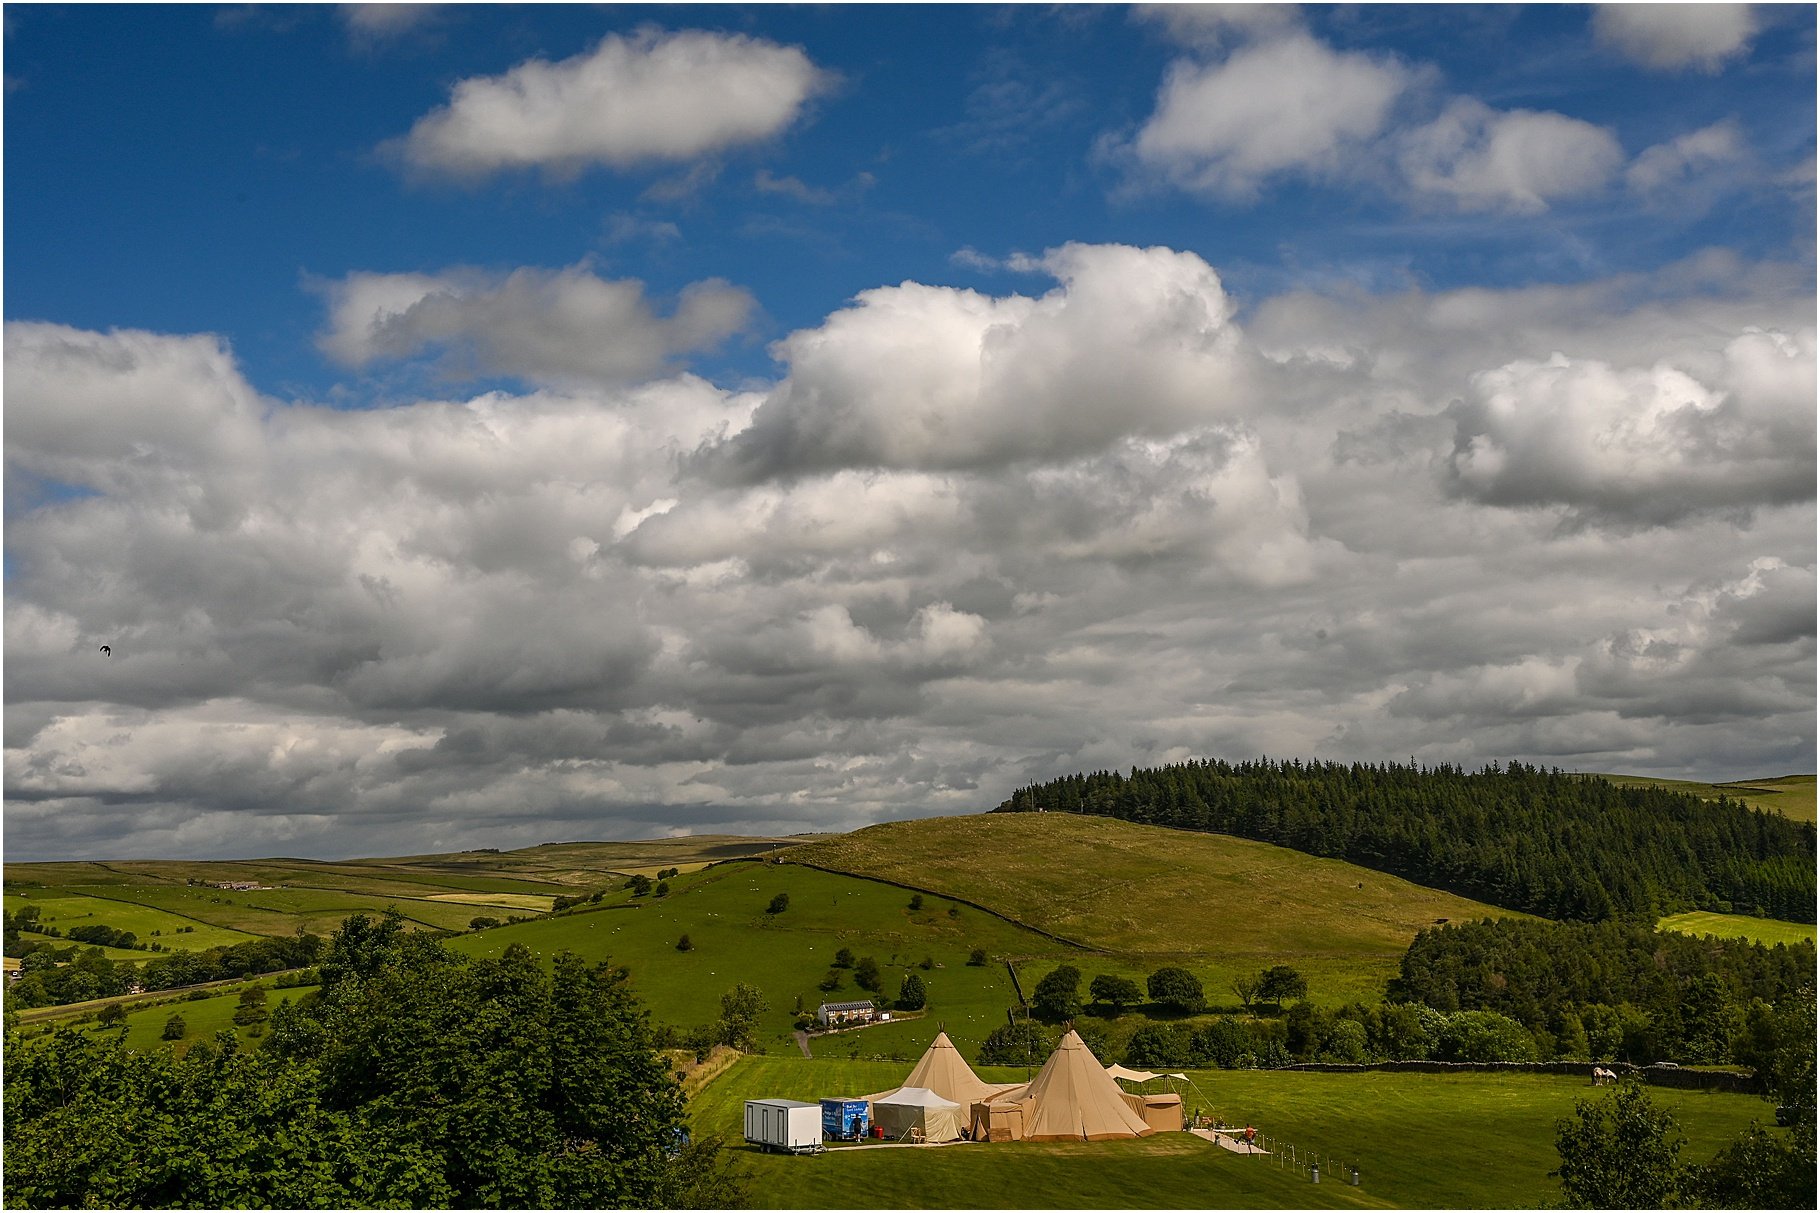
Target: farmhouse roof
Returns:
[1076, 1100]
[862, 1005]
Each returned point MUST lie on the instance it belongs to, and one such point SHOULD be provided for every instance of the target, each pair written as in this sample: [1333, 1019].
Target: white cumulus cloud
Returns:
[1480, 158]
[1290, 104]
[1672, 37]
[915, 376]
[652, 97]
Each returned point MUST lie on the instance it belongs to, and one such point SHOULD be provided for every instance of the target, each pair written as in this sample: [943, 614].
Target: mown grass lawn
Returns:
[1420, 1141]
[1767, 931]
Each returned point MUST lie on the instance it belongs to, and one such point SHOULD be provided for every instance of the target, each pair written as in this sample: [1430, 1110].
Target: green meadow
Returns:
[723, 911]
[1768, 931]
[1419, 1141]
[1790, 795]
[64, 909]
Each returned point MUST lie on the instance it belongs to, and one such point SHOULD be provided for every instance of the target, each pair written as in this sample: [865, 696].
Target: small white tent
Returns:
[918, 1108]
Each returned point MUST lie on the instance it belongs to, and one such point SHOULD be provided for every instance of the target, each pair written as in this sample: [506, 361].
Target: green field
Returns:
[722, 910]
[1768, 931]
[1419, 1140]
[66, 908]
[1790, 795]
[1231, 905]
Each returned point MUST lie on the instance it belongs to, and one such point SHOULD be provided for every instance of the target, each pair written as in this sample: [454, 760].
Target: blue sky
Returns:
[930, 398]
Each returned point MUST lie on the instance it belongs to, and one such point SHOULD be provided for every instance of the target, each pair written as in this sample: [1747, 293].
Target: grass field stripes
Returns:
[1767, 931]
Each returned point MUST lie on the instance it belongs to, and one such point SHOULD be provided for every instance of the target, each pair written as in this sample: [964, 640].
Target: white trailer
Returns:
[785, 1125]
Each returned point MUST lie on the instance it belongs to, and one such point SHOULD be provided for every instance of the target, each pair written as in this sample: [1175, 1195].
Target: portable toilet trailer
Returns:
[845, 1119]
[788, 1126]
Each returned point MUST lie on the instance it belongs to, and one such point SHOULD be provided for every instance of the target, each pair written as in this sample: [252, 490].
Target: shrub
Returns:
[1160, 1044]
[112, 1013]
[481, 923]
[831, 982]
[175, 1028]
[927, 964]
[916, 902]
[977, 957]
[866, 975]
[779, 904]
[684, 945]
[662, 889]
[843, 959]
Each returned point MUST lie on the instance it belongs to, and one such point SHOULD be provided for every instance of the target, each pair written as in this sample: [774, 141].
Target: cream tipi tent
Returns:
[943, 1070]
[1076, 1100]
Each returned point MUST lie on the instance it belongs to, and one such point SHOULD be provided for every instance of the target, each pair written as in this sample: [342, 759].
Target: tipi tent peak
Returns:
[943, 1070]
[1076, 1100]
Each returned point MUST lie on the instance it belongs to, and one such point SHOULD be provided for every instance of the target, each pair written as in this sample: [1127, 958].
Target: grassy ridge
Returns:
[1143, 891]
[65, 909]
[1420, 1141]
[1790, 795]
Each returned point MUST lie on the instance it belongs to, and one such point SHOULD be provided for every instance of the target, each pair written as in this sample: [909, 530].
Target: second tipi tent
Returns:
[1073, 1099]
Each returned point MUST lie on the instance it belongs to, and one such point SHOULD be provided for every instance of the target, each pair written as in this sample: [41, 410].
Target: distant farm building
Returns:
[840, 1014]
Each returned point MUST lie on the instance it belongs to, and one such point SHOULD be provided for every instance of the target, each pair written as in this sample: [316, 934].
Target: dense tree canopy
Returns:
[416, 1078]
[1548, 842]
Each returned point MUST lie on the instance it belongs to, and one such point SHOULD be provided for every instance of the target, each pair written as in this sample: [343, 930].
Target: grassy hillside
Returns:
[723, 911]
[433, 892]
[1420, 1141]
[1144, 891]
[1790, 795]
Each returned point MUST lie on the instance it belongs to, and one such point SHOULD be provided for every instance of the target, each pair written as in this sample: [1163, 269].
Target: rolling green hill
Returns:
[1148, 891]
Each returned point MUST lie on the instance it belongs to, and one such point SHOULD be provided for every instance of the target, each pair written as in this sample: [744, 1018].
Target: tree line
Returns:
[1611, 989]
[416, 1078]
[1549, 842]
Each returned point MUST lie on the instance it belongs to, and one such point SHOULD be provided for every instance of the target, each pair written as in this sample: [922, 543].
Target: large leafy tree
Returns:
[1057, 995]
[1177, 989]
[1620, 1152]
[415, 1078]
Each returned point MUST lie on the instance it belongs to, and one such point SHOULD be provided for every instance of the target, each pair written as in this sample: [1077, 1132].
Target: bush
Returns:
[831, 982]
[866, 975]
[843, 958]
[481, 923]
[175, 1028]
[977, 957]
[779, 904]
[662, 889]
[112, 1013]
[1160, 1044]
[916, 902]
[685, 945]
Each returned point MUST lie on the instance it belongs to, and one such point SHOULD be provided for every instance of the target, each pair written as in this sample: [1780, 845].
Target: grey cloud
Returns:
[549, 326]
[521, 618]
